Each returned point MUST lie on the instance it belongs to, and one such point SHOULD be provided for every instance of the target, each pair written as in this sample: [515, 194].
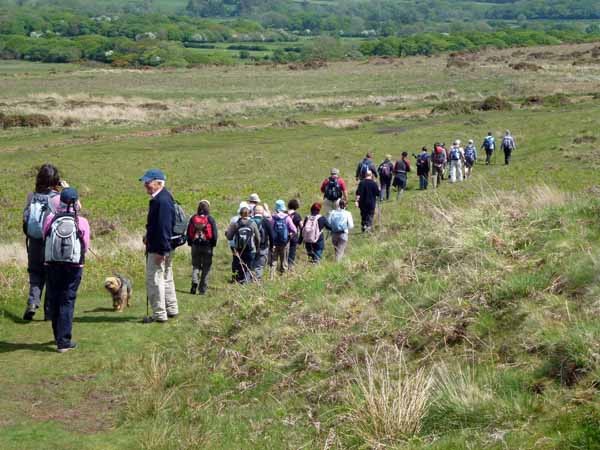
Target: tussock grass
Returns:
[391, 401]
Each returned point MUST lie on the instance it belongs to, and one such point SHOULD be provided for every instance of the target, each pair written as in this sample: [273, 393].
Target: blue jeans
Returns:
[315, 251]
[423, 181]
[292, 251]
[62, 284]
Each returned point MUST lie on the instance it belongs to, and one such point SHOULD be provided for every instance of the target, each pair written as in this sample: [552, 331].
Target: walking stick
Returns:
[147, 318]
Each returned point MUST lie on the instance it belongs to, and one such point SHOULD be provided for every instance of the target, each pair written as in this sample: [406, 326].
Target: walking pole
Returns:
[147, 318]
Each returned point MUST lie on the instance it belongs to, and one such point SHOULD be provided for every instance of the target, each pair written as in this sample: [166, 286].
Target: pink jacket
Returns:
[288, 220]
[84, 226]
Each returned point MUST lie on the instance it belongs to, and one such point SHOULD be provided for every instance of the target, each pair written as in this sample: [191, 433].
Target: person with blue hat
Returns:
[283, 230]
[67, 238]
[160, 286]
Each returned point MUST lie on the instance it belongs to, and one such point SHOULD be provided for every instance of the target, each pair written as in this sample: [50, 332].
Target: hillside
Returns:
[477, 301]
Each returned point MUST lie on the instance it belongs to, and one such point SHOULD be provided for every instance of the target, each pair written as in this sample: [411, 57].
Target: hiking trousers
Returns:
[160, 287]
[385, 184]
[202, 256]
[456, 171]
[488, 156]
[339, 241]
[315, 250]
[437, 175]
[63, 282]
[259, 263]
[242, 265]
[423, 181]
[292, 251]
[366, 217]
[37, 275]
[507, 155]
[280, 257]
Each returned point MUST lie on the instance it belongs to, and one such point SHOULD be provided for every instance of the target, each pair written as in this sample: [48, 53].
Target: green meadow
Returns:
[468, 319]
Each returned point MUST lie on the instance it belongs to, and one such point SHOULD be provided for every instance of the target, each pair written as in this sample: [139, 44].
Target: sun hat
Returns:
[280, 206]
[254, 198]
[153, 174]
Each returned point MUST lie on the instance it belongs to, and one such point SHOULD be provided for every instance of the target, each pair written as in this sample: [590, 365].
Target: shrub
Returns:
[24, 120]
[494, 103]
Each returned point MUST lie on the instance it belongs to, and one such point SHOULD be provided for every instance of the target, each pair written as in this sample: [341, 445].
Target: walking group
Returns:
[58, 237]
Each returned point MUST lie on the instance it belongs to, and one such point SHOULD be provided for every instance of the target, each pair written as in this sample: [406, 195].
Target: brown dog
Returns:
[120, 289]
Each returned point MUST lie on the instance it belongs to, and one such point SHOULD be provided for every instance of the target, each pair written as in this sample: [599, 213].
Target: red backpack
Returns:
[199, 229]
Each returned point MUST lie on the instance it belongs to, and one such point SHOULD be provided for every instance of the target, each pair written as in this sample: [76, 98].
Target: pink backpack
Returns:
[311, 231]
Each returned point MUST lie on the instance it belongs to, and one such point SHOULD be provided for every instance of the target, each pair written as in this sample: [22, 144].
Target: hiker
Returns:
[438, 163]
[253, 201]
[293, 206]
[470, 154]
[202, 238]
[245, 236]
[508, 145]
[233, 221]
[385, 171]
[283, 230]
[265, 242]
[67, 238]
[401, 168]
[45, 199]
[312, 233]
[365, 165]
[160, 286]
[423, 168]
[341, 222]
[489, 145]
[333, 189]
[457, 156]
[367, 194]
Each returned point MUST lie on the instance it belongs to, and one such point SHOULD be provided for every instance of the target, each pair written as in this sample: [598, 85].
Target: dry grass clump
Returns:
[495, 103]
[453, 107]
[388, 401]
[348, 124]
[24, 120]
[525, 66]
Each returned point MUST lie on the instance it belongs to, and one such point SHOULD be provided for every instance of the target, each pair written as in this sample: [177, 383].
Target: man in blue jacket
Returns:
[159, 230]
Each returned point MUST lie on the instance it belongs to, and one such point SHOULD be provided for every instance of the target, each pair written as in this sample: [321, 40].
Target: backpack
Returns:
[243, 236]
[338, 221]
[508, 143]
[385, 170]
[423, 160]
[64, 243]
[35, 214]
[439, 156]
[364, 168]
[311, 232]
[280, 231]
[199, 230]
[489, 143]
[333, 191]
[263, 238]
[400, 166]
[470, 154]
[454, 154]
[180, 227]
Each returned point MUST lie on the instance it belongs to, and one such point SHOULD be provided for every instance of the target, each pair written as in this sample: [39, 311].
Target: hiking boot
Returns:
[29, 313]
[202, 290]
[153, 320]
[172, 316]
[71, 346]
[193, 288]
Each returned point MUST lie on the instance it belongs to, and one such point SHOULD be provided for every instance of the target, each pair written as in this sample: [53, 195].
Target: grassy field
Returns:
[477, 301]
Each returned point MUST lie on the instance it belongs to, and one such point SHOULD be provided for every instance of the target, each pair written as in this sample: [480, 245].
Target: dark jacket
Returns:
[371, 165]
[215, 233]
[266, 225]
[160, 222]
[368, 193]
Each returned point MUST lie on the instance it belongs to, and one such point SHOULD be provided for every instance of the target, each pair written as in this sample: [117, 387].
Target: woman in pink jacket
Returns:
[67, 238]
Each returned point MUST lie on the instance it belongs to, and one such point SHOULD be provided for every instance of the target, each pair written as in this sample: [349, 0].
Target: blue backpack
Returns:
[338, 222]
[489, 143]
[470, 154]
[454, 154]
[280, 231]
[364, 168]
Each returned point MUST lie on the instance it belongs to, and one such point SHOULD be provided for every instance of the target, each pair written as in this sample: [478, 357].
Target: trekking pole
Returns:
[147, 318]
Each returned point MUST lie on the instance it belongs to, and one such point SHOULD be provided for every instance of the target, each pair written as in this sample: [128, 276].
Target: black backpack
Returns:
[244, 236]
[263, 238]
[333, 191]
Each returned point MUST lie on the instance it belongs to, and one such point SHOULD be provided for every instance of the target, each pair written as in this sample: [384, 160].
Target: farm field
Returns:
[480, 297]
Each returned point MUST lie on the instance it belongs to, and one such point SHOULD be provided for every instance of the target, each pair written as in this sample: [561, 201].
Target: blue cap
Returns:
[69, 195]
[153, 174]
[280, 205]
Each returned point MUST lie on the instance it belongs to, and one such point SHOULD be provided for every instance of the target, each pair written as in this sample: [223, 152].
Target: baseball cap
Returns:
[279, 205]
[69, 195]
[153, 174]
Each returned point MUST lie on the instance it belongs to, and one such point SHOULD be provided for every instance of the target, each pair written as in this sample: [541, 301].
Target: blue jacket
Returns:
[159, 226]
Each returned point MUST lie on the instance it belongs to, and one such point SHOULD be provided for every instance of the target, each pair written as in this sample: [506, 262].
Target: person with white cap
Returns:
[283, 230]
[333, 189]
[508, 145]
[456, 155]
[202, 237]
[160, 285]
[470, 154]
